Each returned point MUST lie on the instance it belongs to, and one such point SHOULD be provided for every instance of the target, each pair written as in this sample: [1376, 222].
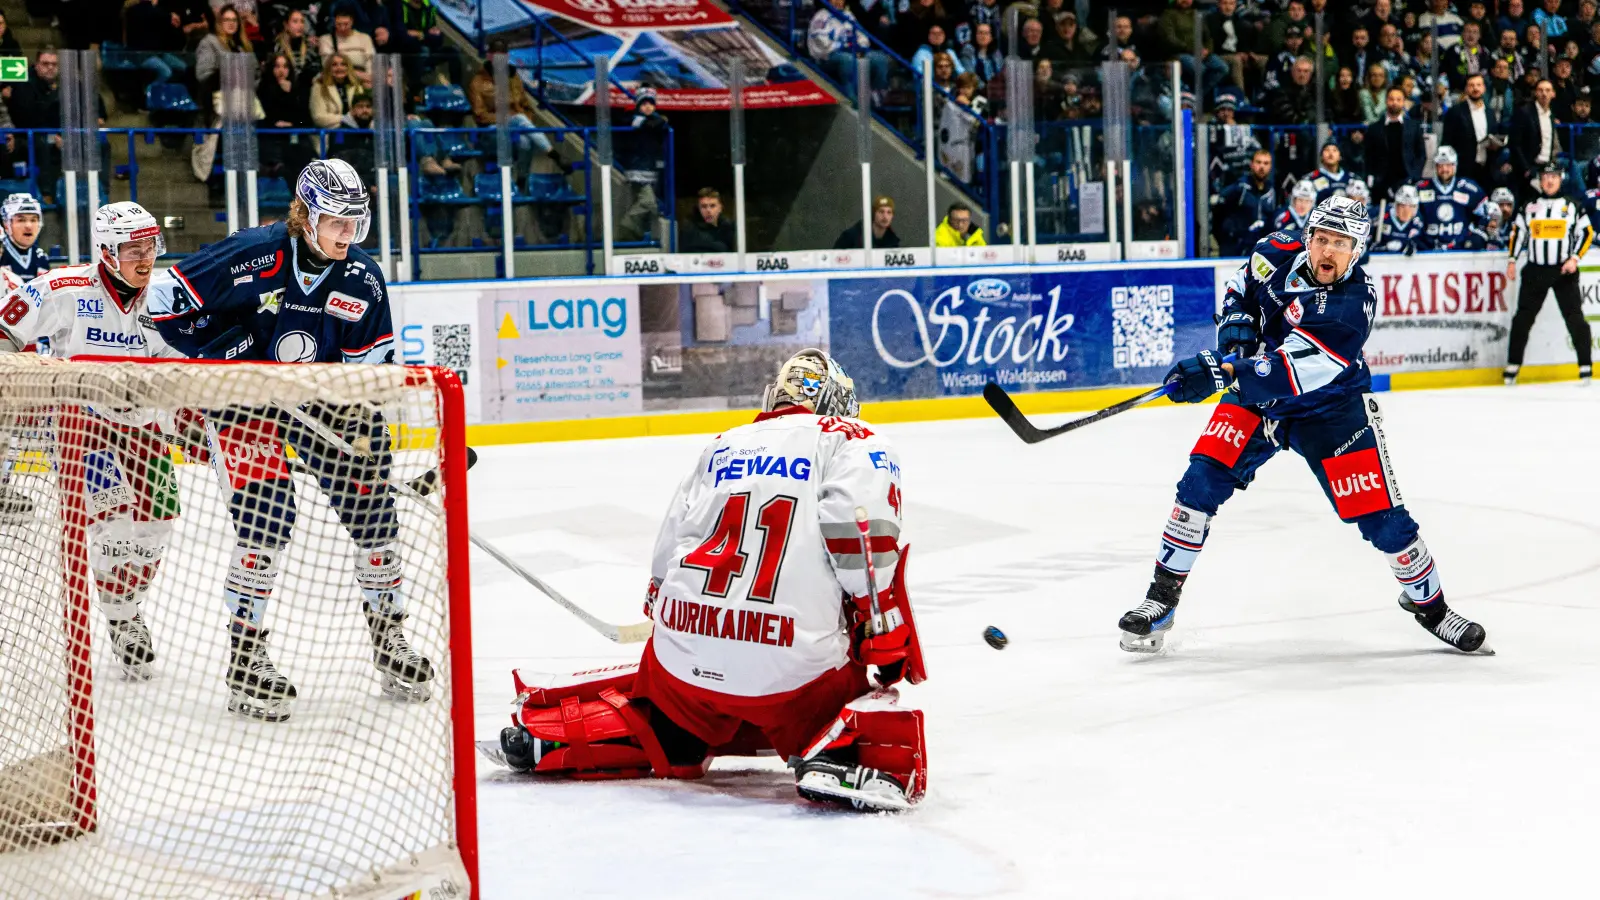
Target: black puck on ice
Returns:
[995, 638]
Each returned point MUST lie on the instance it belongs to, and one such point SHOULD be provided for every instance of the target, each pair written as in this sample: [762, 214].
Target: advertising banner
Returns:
[945, 335]
[1440, 311]
[444, 326]
[564, 353]
[638, 15]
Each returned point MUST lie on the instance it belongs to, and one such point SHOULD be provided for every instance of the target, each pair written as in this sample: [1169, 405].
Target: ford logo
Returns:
[989, 290]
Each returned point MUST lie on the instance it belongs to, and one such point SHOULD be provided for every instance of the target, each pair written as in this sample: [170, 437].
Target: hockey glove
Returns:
[1237, 333]
[885, 644]
[651, 594]
[1193, 380]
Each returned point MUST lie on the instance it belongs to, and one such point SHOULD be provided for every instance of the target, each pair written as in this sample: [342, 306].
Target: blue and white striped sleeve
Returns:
[1302, 364]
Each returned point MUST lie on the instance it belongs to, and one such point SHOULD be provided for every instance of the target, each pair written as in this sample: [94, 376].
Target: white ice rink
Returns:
[1300, 737]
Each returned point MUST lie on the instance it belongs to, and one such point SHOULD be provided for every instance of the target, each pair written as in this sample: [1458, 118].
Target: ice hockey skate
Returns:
[1145, 627]
[1449, 626]
[823, 779]
[130, 641]
[407, 675]
[259, 689]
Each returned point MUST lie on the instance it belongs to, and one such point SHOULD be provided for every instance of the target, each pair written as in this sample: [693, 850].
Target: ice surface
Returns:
[1300, 737]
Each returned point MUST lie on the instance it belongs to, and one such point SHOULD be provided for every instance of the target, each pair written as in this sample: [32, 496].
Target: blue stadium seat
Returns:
[273, 192]
[487, 187]
[442, 189]
[447, 98]
[9, 186]
[551, 187]
[114, 57]
[459, 147]
[169, 97]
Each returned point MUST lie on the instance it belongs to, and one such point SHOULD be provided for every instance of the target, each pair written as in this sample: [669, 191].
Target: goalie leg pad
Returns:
[124, 556]
[874, 733]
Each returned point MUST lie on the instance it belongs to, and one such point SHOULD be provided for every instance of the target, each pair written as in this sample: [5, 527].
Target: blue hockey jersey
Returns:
[1447, 210]
[248, 298]
[1313, 333]
[25, 264]
[1394, 237]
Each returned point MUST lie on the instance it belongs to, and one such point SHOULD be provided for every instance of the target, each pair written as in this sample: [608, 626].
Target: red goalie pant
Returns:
[789, 720]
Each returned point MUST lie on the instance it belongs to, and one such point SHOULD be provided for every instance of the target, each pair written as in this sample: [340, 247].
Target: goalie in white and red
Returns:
[764, 630]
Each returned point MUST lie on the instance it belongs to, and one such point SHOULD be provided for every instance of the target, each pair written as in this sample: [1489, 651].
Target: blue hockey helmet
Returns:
[331, 187]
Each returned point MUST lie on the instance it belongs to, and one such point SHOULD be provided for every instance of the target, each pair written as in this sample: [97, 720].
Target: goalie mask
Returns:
[120, 223]
[812, 379]
[331, 187]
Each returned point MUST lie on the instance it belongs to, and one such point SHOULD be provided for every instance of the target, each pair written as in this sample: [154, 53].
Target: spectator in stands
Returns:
[1070, 48]
[424, 44]
[300, 48]
[644, 165]
[152, 35]
[1295, 103]
[983, 57]
[194, 20]
[912, 24]
[1470, 128]
[1176, 28]
[883, 236]
[1500, 92]
[1292, 20]
[833, 39]
[1280, 68]
[944, 72]
[958, 229]
[1344, 101]
[285, 103]
[1549, 18]
[8, 41]
[1031, 47]
[1233, 40]
[36, 103]
[1049, 95]
[227, 37]
[356, 47]
[1358, 53]
[1534, 140]
[332, 92]
[1465, 59]
[936, 44]
[1121, 46]
[1513, 16]
[520, 108]
[958, 127]
[1391, 52]
[1394, 148]
[1245, 210]
[708, 232]
[1373, 92]
[1449, 23]
[1382, 14]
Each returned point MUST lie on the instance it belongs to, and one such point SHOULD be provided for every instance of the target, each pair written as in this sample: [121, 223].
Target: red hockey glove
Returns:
[886, 642]
[650, 595]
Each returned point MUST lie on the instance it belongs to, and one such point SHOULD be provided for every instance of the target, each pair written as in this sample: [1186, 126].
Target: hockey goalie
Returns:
[778, 579]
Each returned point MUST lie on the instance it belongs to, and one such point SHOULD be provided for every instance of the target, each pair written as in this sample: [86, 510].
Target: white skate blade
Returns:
[1143, 643]
[1483, 650]
[258, 708]
[405, 692]
[823, 784]
[493, 752]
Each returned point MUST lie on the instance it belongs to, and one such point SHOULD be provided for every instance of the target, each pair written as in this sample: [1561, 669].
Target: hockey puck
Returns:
[995, 638]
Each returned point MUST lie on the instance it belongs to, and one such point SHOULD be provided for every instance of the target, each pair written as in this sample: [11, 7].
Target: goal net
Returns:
[298, 723]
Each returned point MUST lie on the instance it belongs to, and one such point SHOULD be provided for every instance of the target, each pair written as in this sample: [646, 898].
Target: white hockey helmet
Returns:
[118, 223]
[331, 187]
[19, 203]
[812, 379]
[1356, 189]
[1304, 189]
[1406, 195]
[1445, 154]
[1502, 195]
[1341, 215]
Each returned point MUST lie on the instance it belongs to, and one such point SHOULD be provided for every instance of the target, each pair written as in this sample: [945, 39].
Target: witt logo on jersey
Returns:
[1357, 483]
[1227, 434]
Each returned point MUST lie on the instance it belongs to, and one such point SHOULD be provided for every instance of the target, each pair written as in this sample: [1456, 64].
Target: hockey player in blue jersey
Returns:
[1449, 204]
[1502, 209]
[21, 218]
[1401, 228]
[1302, 199]
[299, 291]
[1296, 315]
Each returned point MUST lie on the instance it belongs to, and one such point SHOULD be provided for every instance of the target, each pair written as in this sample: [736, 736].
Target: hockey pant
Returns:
[1537, 283]
[247, 455]
[1343, 446]
[130, 499]
[632, 722]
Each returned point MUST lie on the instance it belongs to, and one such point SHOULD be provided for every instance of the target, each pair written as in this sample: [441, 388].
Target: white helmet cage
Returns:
[812, 379]
[1345, 216]
[331, 187]
[118, 223]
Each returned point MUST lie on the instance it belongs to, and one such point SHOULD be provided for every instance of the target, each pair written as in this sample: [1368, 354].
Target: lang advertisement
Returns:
[947, 335]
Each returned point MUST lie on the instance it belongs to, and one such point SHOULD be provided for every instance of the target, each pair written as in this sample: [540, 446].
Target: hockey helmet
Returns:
[1341, 215]
[19, 203]
[812, 379]
[1304, 189]
[1406, 195]
[331, 187]
[1356, 189]
[1502, 195]
[1445, 154]
[122, 222]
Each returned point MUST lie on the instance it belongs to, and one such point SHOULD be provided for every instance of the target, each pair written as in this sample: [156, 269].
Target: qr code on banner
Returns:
[452, 348]
[1141, 326]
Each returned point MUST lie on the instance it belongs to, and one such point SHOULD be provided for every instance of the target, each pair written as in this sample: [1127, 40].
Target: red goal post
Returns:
[116, 786]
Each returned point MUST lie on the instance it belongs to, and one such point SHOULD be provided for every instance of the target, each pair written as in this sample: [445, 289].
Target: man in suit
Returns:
[1535, 140]
[1394, 147]
[1471, 130]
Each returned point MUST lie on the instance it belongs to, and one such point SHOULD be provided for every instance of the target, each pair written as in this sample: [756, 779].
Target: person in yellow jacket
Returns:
[957, 229]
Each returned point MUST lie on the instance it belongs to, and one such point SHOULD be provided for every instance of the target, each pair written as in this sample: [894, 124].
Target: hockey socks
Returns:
[1422, 595]
[252, 575]
[1182, 539]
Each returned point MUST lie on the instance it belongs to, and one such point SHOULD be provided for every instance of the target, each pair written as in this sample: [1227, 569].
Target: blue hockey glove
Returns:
[1237, 333]
[1195, 379]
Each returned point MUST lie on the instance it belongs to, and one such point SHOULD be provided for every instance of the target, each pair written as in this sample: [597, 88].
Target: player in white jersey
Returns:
[764, 622]
[131, 492]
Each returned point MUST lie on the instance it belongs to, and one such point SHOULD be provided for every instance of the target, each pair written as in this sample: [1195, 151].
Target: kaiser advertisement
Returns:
[1445, 311]
[950, 335]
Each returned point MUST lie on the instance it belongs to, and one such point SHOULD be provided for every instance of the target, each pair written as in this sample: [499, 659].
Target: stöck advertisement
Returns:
[947, 335]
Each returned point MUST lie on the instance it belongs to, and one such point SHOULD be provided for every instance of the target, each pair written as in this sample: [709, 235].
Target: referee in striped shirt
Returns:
[1555, 233]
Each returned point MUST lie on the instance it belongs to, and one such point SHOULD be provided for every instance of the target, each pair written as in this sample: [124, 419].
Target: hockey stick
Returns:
[1007, 410]
[621, 634]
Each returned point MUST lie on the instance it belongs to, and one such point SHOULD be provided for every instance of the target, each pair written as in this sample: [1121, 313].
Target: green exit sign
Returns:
[13, 68]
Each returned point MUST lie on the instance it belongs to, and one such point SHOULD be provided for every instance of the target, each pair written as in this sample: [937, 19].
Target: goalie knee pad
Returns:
[592, 730]
[1182, 539]
[881, 735]
[379, 574]
[252, 574]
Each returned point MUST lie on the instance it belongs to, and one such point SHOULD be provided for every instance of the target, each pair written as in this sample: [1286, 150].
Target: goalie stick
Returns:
[620, 634]
[1007, 410]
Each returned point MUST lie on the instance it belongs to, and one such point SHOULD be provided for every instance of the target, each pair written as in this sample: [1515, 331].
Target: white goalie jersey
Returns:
[760, 546]
[70, 312]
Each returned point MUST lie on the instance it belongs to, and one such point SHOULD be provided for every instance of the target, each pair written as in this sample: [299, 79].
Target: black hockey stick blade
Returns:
[428, 481]
[1006, 409]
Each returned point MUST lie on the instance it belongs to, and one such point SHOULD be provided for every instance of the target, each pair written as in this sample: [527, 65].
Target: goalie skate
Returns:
[130, 640]
[405, 674]
[1145, 627]
[824, 780]
[259, 690]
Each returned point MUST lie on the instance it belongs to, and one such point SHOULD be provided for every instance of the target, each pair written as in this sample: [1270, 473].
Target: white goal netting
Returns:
[130, 769]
